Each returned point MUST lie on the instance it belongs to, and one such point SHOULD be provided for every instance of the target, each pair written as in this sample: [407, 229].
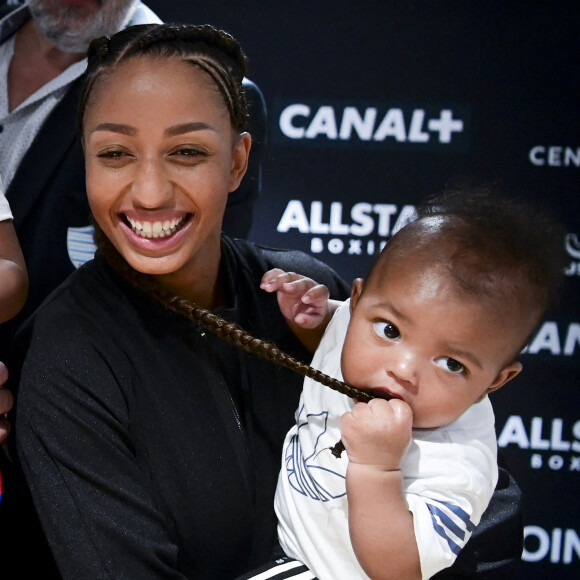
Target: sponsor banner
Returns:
[555, 156]
[549, 443]
[559, 546]
[573, 250]
[557, 339]
[428, 126]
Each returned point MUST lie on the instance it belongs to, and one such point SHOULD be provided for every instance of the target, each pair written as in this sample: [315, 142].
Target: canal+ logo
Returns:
[407, 126]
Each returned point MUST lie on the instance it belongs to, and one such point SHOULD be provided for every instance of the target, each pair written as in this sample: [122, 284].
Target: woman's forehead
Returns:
[170, 79]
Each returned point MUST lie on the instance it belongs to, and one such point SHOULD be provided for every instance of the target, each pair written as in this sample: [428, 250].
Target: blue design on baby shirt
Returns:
[310, 466]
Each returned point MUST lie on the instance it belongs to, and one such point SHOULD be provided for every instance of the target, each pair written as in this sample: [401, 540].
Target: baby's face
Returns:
[413, 336]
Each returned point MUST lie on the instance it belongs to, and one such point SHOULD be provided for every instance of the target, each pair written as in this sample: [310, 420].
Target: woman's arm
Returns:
[75, 445]
[13, 274]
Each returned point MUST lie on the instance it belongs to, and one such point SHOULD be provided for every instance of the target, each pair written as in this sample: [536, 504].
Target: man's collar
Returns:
[143, 15]
[13, 21]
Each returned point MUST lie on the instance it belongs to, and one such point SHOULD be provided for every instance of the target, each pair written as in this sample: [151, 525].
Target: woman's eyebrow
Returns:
[170, 131]
[116, 128]
[187, 128]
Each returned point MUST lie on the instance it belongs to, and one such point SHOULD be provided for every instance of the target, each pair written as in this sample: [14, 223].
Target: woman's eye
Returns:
[114, 158]
[386, 330]
[111, 154]
[187, 156]
[450, 365]
[188, 152]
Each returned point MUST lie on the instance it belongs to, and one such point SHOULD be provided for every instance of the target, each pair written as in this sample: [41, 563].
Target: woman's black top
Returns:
[152, 447]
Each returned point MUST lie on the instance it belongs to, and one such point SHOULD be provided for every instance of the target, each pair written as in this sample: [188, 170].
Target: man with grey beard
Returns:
[43, 44]
[71, 26]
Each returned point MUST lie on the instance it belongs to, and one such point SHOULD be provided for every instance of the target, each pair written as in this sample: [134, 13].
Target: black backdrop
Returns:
[441, 91]
[373, 105]
[436, 92]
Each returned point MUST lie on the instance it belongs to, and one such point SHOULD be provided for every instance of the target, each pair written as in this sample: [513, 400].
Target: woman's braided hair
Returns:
[220, 327]
[214, 51]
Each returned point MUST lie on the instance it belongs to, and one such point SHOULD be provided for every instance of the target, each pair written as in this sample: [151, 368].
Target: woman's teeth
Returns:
[147, 229]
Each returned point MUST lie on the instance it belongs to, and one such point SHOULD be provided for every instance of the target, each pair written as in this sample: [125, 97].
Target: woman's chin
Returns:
[158, 266]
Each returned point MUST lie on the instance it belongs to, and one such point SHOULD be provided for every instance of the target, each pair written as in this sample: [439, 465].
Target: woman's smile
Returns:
[156, 235]
[156, 229]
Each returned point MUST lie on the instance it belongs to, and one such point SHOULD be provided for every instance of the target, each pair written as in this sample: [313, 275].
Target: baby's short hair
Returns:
[490, 243]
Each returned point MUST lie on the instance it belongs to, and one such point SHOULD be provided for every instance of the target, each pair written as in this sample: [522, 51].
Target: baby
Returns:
[436, 326]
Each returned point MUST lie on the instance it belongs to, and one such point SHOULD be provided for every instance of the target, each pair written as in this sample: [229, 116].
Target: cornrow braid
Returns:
[214, 51]
[226, 87]
[234, 334]
[204, 33]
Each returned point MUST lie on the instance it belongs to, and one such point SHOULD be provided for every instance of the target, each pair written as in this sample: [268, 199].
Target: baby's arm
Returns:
[376, 436]
[304, 303]
[13, 274]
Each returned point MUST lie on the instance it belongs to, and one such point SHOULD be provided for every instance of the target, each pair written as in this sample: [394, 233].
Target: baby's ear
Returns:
[505, 375]
[355, 294]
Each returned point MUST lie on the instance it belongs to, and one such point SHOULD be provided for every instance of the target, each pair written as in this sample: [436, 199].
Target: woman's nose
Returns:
[151, 186]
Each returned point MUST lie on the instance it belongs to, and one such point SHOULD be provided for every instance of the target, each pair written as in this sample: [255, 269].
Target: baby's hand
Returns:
[302, 301]
[377, 433]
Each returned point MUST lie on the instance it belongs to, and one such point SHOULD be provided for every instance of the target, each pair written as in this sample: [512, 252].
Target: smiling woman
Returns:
[170, 173]
[150, 446]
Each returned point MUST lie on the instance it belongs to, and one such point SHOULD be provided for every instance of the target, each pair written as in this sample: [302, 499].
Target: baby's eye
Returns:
[386, 329]
[451, 365]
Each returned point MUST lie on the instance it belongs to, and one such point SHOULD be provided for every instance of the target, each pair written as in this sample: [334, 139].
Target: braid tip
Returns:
[337, 449]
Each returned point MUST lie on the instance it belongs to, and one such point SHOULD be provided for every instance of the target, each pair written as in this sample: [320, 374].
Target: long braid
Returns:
[222, 328]
[234, 334]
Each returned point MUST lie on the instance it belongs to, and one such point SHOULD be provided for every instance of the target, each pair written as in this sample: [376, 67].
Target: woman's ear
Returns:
[240, 157]
[355, 294]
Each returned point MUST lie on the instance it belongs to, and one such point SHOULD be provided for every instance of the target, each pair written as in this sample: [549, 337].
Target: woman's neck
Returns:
[205, 286]
[208, 291]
